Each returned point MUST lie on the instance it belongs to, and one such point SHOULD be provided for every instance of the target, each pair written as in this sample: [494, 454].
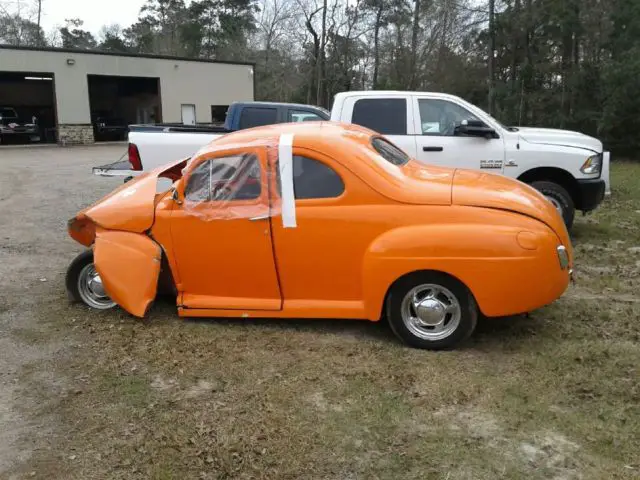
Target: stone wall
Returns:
[75, 134]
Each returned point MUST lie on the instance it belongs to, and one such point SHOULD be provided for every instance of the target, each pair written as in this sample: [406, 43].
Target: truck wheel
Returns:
[84, 284]
[431, 310]
[559, 198]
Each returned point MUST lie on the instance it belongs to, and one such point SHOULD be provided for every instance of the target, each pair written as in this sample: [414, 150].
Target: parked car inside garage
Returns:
[13, 130]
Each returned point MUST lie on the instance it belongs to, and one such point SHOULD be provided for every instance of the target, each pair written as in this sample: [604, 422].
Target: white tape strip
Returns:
[285, 162]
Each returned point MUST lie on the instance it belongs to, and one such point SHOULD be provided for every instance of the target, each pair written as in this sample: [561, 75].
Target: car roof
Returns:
[349, 145]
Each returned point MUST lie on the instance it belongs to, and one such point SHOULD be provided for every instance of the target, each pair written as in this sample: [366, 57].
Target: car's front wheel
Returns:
[85, 285]
[431, 310]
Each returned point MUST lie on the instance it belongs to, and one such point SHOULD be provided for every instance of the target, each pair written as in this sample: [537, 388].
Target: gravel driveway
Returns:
[40, 188]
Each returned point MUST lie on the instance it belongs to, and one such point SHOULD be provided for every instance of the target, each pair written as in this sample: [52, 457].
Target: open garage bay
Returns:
[88, 394]
[27, 98]
[117, 102]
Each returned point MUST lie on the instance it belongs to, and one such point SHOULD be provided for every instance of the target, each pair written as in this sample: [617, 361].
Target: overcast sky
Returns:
[95, 13]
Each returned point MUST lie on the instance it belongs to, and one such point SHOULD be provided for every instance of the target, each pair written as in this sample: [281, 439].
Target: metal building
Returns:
[78, 96]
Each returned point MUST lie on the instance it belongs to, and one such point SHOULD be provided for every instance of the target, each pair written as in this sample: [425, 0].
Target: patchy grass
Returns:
[556, 395]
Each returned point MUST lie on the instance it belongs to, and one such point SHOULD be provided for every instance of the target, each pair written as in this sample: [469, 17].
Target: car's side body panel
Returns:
[129, 265]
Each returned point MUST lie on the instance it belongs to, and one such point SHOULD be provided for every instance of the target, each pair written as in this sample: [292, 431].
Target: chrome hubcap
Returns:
[431, 312]
[555, 203]
[92, 290]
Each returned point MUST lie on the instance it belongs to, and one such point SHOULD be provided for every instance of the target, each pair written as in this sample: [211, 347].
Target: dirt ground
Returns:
[101, 395]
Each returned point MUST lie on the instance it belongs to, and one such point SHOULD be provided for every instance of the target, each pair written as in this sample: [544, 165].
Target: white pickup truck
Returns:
[569, 168]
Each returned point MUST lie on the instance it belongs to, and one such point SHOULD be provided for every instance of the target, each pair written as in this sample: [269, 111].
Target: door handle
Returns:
[432, 149]
[259, 217]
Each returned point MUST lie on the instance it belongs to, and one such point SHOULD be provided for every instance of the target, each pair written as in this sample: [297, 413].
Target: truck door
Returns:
[438, 142]
[391, 115]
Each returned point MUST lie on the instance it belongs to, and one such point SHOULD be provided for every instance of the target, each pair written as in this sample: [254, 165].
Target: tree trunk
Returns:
[414, 46]
[438, 76]
[40, 39]
[492, 58]
[527, 81]
[320, 62]
[316, 57]
[516, 35]
[376, 47]
[576, 56]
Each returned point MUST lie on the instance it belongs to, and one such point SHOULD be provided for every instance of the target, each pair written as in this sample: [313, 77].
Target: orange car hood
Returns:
[131, 206]
[478, 189]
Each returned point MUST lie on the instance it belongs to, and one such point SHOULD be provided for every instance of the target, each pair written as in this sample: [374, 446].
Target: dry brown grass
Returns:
[556, 395]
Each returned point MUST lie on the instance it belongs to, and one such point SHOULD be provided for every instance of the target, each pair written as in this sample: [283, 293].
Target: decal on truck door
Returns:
[490, 163]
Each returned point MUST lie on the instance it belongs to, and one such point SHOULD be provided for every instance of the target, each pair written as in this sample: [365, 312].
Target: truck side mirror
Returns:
[475, 128]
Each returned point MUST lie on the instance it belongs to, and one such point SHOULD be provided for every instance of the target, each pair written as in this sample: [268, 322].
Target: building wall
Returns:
[181, 82]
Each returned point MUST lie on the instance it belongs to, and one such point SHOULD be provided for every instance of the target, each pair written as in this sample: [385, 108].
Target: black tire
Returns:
[561, 196]
[72, 280]
[468, 310]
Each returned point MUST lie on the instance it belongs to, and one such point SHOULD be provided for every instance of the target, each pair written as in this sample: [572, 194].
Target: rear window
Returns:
[389, 151]
[257, 117]
[383, 115]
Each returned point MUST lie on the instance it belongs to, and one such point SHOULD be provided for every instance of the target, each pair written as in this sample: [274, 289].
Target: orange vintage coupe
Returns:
[323, 220]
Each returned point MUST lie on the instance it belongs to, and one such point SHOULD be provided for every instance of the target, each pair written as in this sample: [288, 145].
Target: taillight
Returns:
[134, 157]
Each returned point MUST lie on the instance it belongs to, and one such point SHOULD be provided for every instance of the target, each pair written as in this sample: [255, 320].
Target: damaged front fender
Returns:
[131, 206]
[129, 266]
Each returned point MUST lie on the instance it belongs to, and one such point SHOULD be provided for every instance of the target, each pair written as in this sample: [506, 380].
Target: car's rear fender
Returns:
[489, 261]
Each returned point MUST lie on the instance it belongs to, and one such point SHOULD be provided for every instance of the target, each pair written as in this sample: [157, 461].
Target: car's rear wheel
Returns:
[559, 198]
[85, 285]
[431, 310]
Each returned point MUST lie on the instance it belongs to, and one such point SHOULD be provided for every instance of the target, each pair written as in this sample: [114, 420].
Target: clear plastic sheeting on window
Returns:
[234, 183]
[227, 187]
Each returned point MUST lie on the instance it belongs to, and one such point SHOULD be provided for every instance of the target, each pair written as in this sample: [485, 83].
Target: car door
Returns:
[390, 115]
[221, 235]
[320, 261]
[439, 143]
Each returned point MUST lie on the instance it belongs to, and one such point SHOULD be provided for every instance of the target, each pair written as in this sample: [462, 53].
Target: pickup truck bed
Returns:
[151, 146]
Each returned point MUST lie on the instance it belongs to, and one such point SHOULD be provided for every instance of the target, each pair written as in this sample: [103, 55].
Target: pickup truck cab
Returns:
[151, 146]
[569, 168]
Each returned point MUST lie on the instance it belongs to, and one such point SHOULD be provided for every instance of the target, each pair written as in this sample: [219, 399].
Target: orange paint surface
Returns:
[235, 258]
[128, 264]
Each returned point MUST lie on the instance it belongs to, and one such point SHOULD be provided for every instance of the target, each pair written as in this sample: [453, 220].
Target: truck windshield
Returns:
[509, 129]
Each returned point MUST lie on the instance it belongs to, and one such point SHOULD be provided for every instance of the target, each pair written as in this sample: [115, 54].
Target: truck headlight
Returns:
[592, 165]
